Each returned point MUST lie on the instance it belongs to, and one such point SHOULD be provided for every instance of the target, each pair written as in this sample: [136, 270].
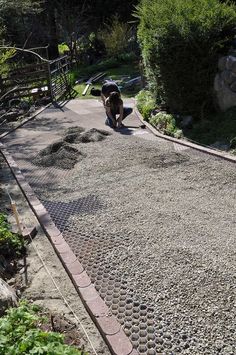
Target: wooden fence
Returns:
[46, 79]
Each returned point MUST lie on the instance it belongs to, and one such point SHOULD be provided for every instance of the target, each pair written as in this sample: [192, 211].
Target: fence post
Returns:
[50, 82]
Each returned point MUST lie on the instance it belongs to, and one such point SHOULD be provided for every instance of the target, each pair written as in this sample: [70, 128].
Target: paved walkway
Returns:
[153, 224]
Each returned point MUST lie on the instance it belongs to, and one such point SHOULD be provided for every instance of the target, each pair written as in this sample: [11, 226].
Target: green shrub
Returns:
[166, 123]
[115, 36]
[11, 244]
[145, 103]
[5, 55]
[20, 334]
[181, 41]
[62, 48]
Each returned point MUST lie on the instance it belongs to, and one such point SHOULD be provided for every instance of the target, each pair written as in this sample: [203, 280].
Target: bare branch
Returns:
[27, 51]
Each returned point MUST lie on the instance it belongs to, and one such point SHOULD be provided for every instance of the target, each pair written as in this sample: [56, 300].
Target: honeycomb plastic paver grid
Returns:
[88, 204]
[137, 319]
[147, 331]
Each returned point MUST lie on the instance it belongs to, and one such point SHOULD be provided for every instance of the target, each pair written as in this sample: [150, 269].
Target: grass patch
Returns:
[128, 71]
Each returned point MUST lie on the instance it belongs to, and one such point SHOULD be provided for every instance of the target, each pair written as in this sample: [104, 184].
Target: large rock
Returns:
[231, 63]
[228, 76]
[226, 98]
[8, 297]
[222, 63]
[225, 82]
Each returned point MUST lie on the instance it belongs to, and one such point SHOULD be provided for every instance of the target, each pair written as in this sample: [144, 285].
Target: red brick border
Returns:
[109, 327]
[188, 144]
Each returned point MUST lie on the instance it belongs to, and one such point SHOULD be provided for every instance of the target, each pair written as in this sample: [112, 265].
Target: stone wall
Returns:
[225, 82]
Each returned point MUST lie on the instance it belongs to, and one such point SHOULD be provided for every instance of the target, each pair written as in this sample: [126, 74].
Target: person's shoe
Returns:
[108, 123]
[121, 126]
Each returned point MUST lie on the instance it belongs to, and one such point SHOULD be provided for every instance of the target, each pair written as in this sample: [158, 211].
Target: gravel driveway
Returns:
[156, 223]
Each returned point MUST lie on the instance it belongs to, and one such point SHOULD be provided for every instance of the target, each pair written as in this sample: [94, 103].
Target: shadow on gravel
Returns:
[164, 160]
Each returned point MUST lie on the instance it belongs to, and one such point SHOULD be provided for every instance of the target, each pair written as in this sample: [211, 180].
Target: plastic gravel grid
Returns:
[137, 319]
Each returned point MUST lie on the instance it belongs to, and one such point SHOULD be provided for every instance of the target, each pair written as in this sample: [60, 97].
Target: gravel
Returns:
[58, 154]
[168, 226]
[92, 135]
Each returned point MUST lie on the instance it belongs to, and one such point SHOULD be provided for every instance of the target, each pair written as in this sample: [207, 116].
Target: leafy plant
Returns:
[145, 103]
[11, 244]
[181, 42]
[115, 36]
[5, 55]
[20, 334]
[62, 48]
[166, 123]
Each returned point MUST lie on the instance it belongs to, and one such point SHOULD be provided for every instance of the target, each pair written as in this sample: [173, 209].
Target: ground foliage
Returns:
[11, 244]
[20, 333]
[181, 41]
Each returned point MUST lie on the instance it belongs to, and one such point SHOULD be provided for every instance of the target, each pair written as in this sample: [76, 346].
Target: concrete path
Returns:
[153, 224]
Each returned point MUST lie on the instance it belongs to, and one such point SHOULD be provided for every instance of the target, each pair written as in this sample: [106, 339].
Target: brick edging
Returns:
[200, 148]
[25, 121]
[109, 327]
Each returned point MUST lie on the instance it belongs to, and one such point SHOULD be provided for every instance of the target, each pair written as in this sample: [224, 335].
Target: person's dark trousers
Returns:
[127, 111]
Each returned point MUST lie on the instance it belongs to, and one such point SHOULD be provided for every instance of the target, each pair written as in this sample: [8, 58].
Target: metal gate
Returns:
[60, 83]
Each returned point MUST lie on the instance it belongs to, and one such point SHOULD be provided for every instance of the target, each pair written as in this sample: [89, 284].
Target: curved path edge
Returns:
[109, 327]
[200, 148]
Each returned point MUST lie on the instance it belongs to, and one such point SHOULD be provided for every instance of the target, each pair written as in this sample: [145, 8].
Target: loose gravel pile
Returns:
[59, 155]
[75, 129]
[64, 156]
[92, 135]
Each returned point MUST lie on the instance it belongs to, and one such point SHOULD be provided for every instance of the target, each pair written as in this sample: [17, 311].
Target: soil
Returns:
[60, 324]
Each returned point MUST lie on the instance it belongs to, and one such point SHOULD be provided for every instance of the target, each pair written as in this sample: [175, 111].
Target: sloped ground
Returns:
[154, 226]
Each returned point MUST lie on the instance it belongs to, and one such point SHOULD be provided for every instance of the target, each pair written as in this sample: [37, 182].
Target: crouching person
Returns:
[114, 105]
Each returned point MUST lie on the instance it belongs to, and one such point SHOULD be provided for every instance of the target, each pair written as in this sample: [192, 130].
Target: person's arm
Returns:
[121, 114]
[103, 99]
[109, 113]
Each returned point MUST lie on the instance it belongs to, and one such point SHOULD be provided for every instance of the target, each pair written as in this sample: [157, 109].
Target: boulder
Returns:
[8, 297]
[226, 98]
[228, 76]
[233, 86]
[218, 83]
[231, 63]
[222, 63]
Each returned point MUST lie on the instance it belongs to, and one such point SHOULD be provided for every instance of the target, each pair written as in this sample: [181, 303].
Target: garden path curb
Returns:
[109, 327]
[200, 148]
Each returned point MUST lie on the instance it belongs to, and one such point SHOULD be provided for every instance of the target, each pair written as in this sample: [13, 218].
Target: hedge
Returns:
[181, 41]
